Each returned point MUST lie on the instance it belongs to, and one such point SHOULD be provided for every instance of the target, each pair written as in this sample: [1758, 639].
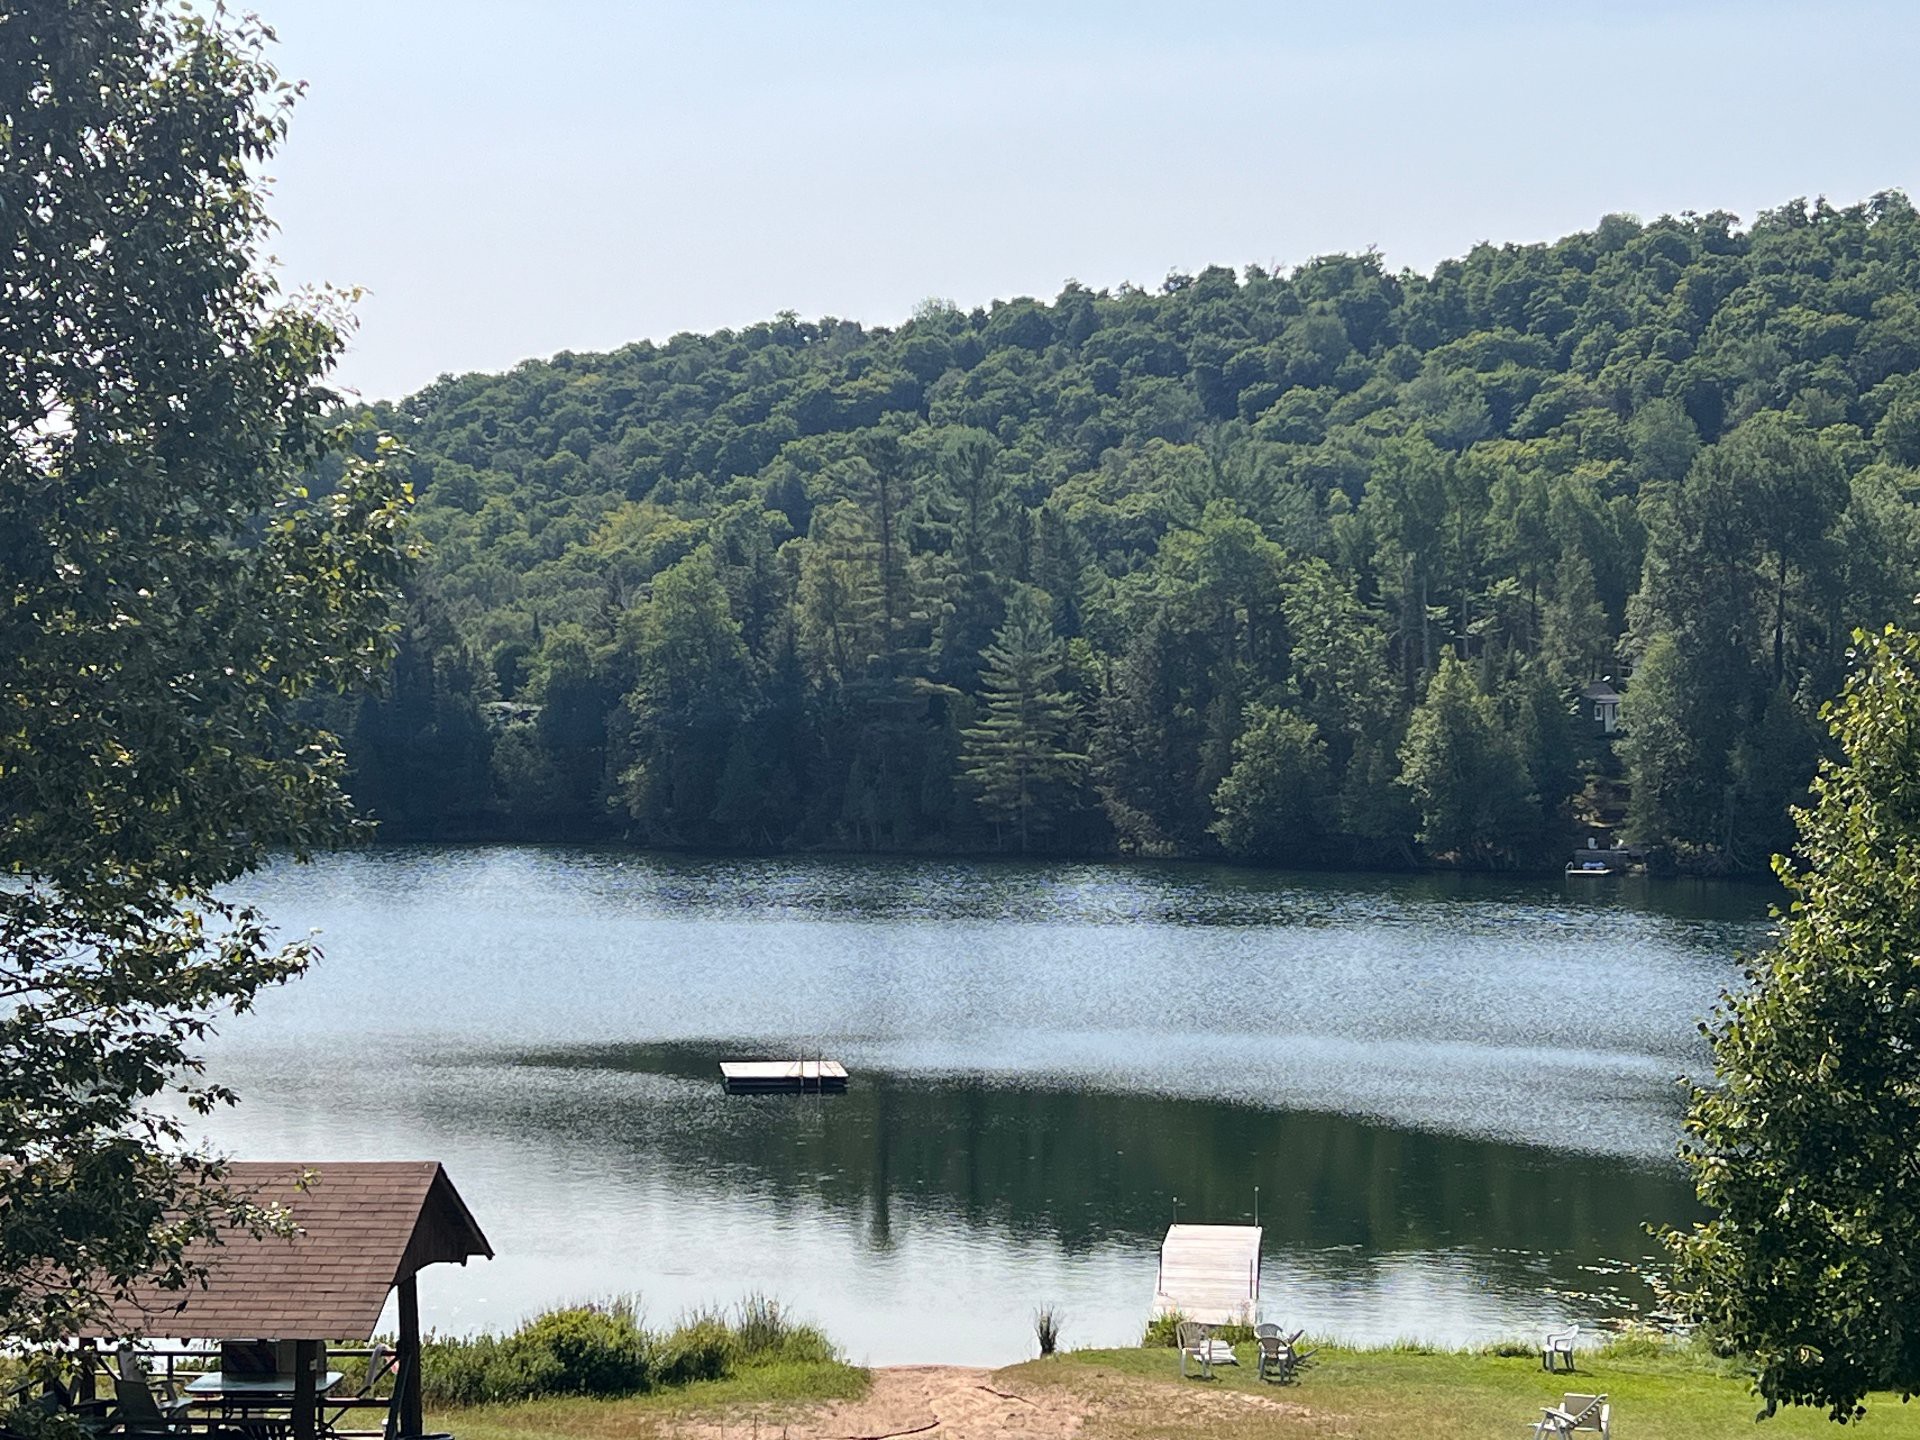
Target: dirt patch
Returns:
[949, 1402]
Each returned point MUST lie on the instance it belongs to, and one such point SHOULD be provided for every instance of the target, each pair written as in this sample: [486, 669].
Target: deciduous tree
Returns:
[1273, 802]
[169, 590]
[1805, 1145]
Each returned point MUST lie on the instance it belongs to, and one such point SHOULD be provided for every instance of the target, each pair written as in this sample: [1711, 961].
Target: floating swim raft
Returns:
[791, 1077]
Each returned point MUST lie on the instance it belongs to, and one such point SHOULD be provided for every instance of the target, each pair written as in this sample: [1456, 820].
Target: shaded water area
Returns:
[1455, 1095]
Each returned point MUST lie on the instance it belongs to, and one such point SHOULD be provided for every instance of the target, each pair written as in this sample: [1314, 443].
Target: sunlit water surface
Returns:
[1456, 1097]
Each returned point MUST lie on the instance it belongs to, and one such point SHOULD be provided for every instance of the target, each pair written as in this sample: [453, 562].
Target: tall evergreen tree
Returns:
[1466, 772]
[693, 687]
[1576, 640]
[976, 513]
[1148, 742]
[840, 625]
[1018, 756]
[1669, 749]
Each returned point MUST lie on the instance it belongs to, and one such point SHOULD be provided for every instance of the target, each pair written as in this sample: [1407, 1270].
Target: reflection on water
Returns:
[1455, 1096]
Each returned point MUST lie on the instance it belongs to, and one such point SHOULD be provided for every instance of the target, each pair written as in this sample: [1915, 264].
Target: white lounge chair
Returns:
[1558, 1346]
[1590, 1412]
[1574, 1414]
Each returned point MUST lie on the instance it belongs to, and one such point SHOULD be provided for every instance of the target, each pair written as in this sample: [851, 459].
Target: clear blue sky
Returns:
[509, 178]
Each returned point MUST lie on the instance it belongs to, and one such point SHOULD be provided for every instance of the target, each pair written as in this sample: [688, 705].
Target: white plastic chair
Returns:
[1276, 1355]
[1558, 1346]
[1196, 1340]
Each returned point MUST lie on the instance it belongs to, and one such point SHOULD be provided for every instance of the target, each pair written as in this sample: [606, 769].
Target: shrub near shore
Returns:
[604, 1350]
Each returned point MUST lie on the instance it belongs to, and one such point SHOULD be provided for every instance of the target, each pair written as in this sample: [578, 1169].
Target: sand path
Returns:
[950, 1402]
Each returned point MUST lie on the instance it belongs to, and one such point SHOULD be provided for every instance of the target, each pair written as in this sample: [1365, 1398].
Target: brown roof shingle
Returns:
[364, 1227]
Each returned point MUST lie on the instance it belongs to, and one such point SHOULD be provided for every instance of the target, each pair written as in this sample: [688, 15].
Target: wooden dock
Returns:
[791, 1077]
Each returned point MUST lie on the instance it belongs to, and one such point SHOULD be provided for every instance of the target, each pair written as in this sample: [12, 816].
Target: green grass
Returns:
[1657, 1393]
[777, 1386]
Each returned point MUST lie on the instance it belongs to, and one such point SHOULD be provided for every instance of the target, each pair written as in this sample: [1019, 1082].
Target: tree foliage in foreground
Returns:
[168, 592]
[1687, 443]
[1808, 1146]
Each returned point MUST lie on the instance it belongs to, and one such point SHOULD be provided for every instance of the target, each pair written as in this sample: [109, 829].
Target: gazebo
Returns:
[365, 1230]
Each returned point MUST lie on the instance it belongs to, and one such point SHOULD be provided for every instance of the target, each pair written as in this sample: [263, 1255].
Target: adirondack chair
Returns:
[136, 1410]
[1558, 1346]
[382, 1362]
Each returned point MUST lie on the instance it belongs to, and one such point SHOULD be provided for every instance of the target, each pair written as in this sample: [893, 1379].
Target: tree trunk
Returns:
[1780, 626]
[1426, 635]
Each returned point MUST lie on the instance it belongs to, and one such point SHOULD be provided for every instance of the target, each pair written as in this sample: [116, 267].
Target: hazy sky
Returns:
[508, 178]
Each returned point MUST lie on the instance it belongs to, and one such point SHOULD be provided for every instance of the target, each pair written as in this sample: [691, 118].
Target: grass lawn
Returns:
[1655, 1394]
[768, 1391]
[1137, 1394]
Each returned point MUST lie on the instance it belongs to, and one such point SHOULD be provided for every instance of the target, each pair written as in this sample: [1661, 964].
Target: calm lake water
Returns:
[1455, 1095]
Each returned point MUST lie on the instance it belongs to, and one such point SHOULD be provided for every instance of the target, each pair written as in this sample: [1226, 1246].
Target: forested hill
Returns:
[1304, 567]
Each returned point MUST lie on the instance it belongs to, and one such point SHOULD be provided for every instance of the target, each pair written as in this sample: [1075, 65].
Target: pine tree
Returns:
[1576, 640]
[1145, 742]
[1018, 754]
[837, 610]
[1466, 772]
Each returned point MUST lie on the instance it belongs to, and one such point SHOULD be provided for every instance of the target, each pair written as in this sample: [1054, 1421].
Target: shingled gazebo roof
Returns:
[364, 1227]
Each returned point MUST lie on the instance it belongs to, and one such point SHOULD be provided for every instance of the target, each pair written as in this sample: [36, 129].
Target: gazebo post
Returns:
[411, 1421]
[306, 1406]
[83, 1381]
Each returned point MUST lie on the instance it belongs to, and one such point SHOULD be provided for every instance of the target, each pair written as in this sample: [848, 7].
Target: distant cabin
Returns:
[1605, 701]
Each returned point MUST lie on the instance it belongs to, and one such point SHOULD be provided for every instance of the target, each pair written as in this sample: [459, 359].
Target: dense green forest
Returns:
[1297, 568]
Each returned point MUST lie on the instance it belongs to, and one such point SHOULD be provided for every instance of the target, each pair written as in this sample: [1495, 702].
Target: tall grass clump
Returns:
[700, 1347]
[765, 1333]
[604, 1350]
[1047, 1321]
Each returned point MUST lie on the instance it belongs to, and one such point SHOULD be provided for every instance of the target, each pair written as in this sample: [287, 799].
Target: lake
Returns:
[1455, 1095]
